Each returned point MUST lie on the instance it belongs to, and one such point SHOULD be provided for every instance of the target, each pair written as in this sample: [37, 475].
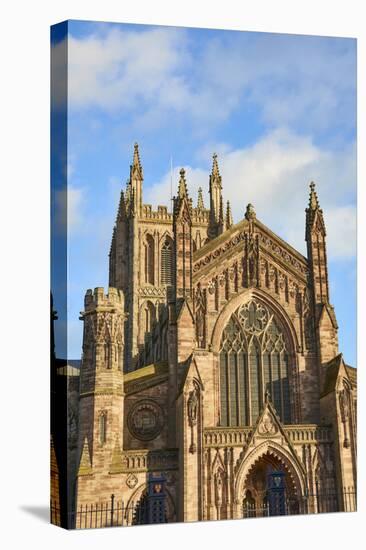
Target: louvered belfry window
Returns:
[254, 359]
[167, 262]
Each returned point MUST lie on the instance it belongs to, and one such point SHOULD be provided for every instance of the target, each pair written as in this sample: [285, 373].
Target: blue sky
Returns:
[280, 111]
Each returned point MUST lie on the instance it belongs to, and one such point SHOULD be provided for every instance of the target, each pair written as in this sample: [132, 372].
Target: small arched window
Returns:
[167, 262]
[149, 259]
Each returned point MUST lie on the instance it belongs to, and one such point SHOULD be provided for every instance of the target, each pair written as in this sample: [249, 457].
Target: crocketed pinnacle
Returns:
[313, 199]
[121, 214]
[215, 168]
[136, 163]
[182, 188]
[229, 216]
[221, 211]
[200, 204]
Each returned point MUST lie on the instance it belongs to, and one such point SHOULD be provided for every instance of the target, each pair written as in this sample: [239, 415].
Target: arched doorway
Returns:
[270, 489]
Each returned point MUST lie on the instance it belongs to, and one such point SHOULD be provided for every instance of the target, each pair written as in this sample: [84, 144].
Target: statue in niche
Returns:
[200, 328]
[192, 407]
[200, 316]
[343, 403]
[252, 261]
[344, 406]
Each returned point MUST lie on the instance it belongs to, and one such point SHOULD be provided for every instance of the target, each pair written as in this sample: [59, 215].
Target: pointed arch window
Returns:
[254, 359]
[149, 260]
[149, 316]
[167, 262]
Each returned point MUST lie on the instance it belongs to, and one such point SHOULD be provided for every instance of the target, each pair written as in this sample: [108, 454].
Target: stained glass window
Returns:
[254, 359]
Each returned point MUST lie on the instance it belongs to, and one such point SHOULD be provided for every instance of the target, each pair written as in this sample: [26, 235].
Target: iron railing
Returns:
[115, 513]
[112, 513]
[312, 503]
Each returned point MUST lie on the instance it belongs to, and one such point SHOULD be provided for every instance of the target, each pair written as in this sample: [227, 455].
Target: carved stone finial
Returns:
[200, 204]
[313, 199]
[136, 167]
[182, 188]
[229, 216]
[215, 167]
[192, 407]
[250, 212]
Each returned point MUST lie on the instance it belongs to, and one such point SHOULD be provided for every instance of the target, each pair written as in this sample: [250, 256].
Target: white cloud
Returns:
[123, 69]
[274, 175]
[161, 71]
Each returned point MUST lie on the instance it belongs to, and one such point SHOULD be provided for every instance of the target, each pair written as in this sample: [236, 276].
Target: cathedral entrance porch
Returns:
[270, 490]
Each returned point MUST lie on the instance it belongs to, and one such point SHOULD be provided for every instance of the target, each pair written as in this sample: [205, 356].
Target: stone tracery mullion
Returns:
[254, 327]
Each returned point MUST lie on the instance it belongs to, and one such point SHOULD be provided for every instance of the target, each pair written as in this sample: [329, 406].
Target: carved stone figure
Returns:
[192, 407]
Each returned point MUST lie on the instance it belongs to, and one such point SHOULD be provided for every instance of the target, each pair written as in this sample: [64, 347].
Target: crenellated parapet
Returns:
[97, 298]
[103, 318]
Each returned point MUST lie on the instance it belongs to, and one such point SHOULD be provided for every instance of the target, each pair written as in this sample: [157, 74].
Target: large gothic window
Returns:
[254, 359]
[167, 262]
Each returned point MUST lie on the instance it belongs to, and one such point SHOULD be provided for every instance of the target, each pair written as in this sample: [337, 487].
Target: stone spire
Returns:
[136, 163]
[121, 213]
[317, 255]
[221, 216]
[314, 212]
[182, 187]
[228, 216]
[136, 179]
[200, 204]
[215, 200]
[183, 249]
[215, 168]
[313, 199]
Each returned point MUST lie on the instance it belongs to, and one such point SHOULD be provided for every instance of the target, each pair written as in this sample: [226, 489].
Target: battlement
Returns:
[199, 215]
[160, 214]
[97, 298]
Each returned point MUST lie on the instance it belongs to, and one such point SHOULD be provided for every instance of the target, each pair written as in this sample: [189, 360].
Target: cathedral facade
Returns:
[211, 374]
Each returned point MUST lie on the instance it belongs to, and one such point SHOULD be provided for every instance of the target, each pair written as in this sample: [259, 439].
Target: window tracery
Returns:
[254, 359]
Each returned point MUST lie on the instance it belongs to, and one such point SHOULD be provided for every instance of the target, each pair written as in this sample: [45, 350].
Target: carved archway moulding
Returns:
[292, 466]
[242, 298]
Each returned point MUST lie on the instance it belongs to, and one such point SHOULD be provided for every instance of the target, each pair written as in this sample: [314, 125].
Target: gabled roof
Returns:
[145, 377]
[231, 241]
[334, 369]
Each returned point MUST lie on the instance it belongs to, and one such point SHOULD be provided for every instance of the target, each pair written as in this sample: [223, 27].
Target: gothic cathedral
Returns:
[210, 372]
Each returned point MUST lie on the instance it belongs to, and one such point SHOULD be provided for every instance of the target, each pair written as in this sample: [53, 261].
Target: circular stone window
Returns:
[145, 420]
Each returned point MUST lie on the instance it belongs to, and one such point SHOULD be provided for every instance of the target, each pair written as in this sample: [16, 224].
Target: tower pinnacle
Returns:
[215, 168]
[313, 199]
[182, 188]
[136, 163]
[216, 211]
[200, 204]
[228, 216]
